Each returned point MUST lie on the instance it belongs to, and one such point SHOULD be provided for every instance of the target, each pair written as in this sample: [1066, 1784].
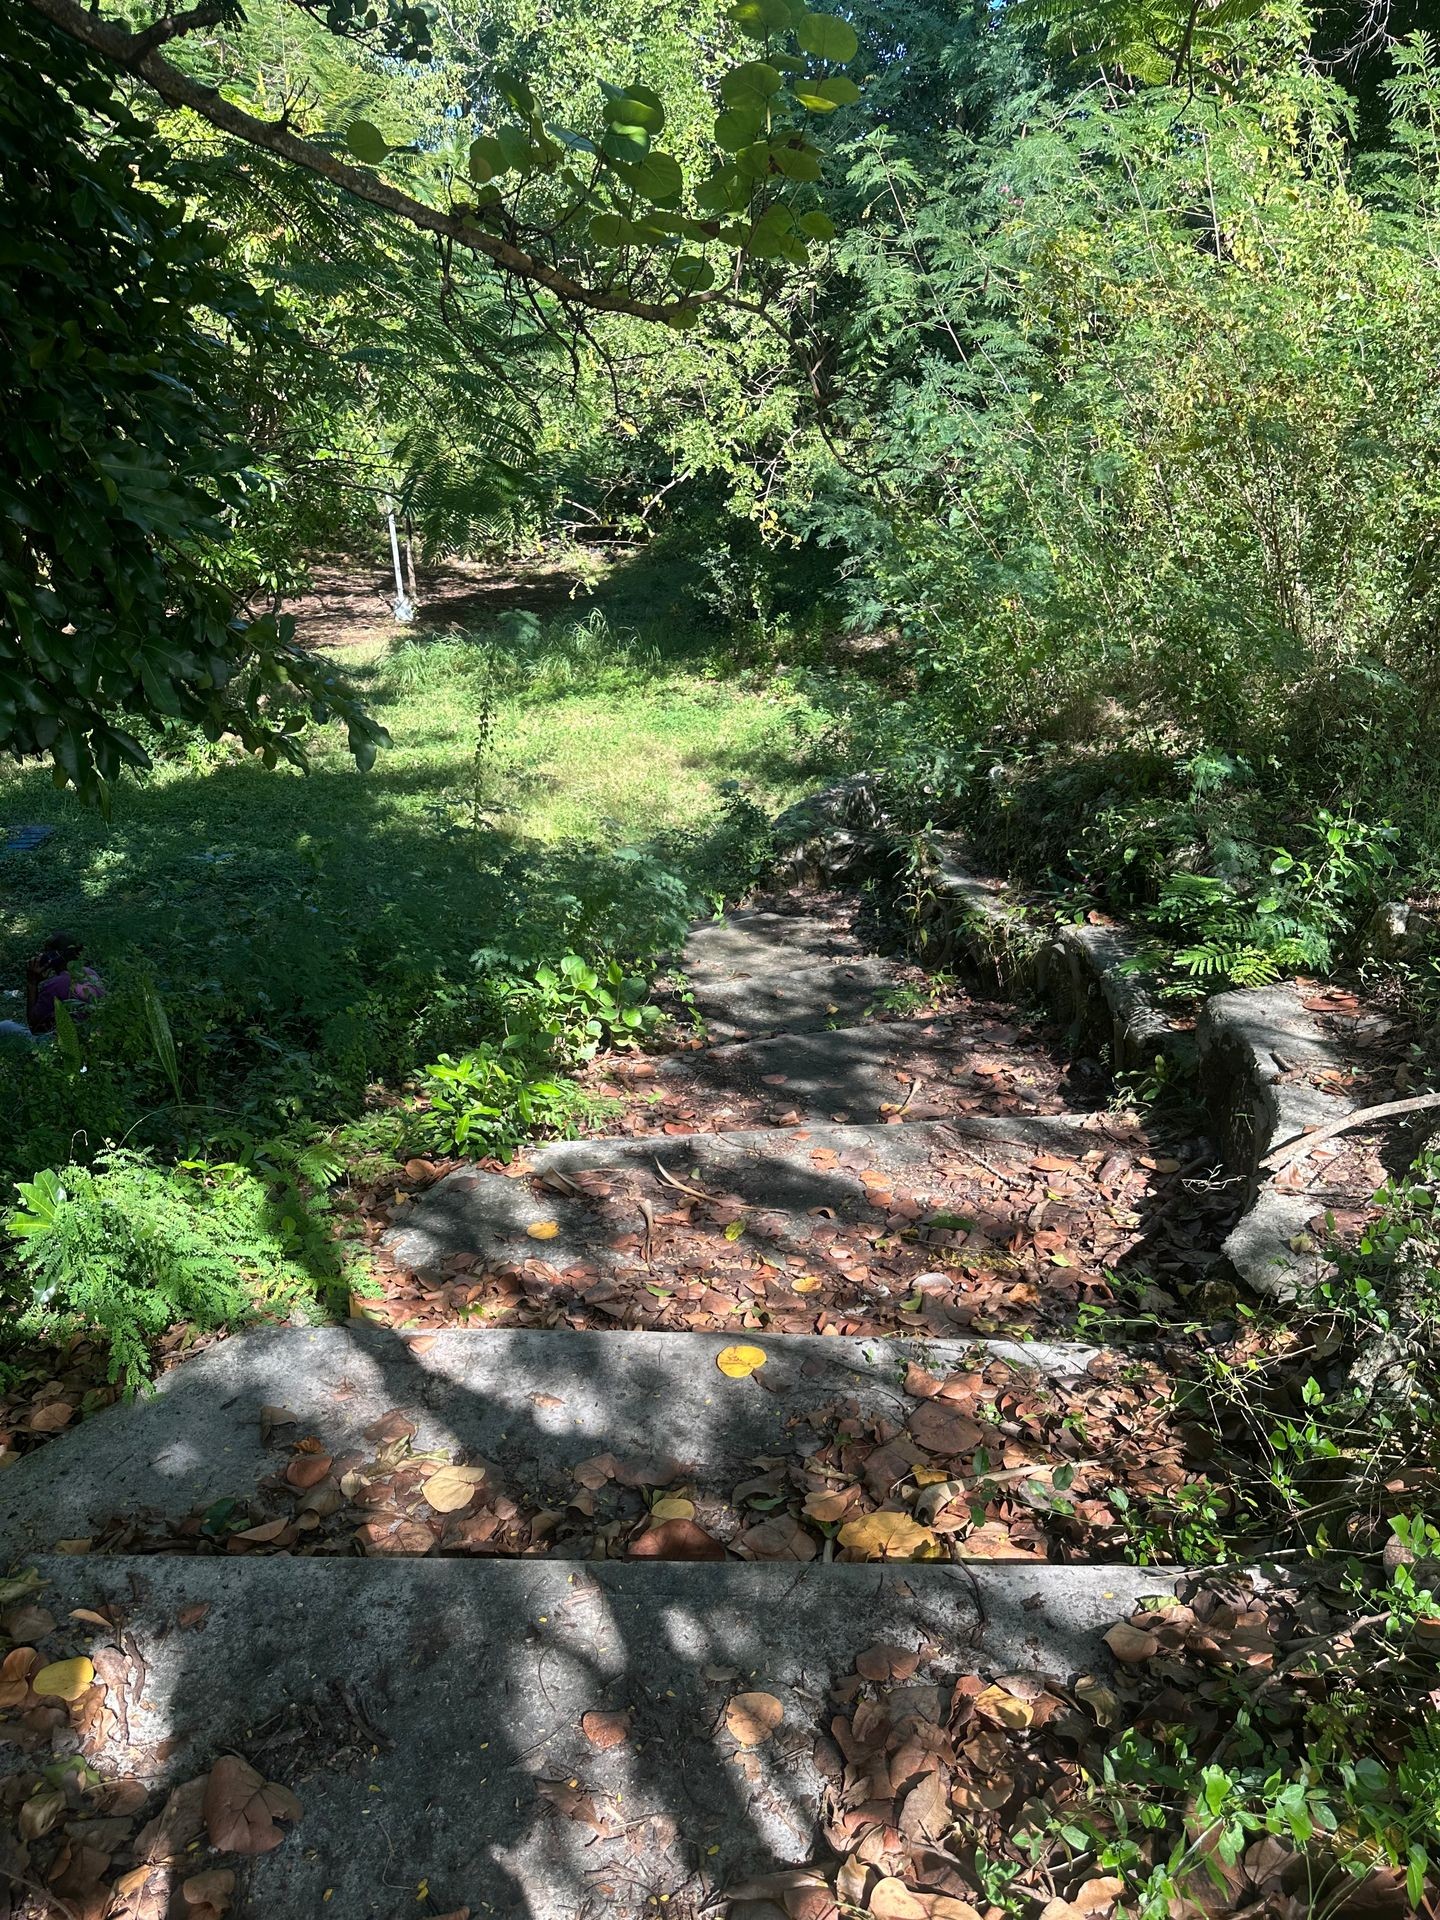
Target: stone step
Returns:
[532, 1405]
[793, 995]
[430, 1715]
[920, 1068]
[726, 1223]
[753, 940]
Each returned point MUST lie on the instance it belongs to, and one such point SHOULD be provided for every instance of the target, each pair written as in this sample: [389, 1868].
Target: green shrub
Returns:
[486, 1102]
[128, 1249]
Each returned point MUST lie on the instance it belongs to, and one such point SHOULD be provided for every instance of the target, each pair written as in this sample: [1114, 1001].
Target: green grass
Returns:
[310, 935]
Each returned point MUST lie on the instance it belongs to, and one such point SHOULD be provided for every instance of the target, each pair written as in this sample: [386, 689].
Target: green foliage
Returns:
[122, 468]
[127, 1249]
[488, 1102]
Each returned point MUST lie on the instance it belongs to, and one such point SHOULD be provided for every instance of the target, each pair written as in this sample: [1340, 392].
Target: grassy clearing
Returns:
[308, 938]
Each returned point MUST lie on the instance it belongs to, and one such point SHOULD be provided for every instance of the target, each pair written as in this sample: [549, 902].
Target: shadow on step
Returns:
[431, 1714]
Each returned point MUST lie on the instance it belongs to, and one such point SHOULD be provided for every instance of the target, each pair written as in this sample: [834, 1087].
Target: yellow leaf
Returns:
[807, 1283]
[889, 1536]
[450, 1488]
[673, 1508]
[735, 1229]
[738, 1363]
[994, 1703]
[543, 1229]
[64, 1679]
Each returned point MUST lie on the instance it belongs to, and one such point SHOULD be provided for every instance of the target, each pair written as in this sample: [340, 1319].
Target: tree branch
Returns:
[135, 53]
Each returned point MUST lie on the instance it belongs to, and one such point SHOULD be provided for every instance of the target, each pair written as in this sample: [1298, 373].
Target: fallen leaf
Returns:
[738, 1363]
[828, 1507]
[605, 1730]
[884, 1663]
[449, 1489]
[672, 1507]
[994, 1703]
[308, 1470]
[543, 1229]
[212, 1889]
[941, 1427]
[753, 1717]
[1131, 1644]
[676, 1540]
[26, 1625]
[893, 1900]
[779, 1538]
[50, 1419]
[240, 1809]
[806, 1283]
[889, 1536]
[64, 1679]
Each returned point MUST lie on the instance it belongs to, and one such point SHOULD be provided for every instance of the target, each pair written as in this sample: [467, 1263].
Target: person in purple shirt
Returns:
[55, 974]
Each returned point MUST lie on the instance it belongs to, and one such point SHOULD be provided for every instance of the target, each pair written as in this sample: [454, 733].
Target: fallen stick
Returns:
[1302, 1143]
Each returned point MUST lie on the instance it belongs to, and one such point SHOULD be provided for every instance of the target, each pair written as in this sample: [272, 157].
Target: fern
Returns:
[127, 1250]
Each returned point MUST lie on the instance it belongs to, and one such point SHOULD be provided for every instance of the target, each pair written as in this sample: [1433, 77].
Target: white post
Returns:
[404, 605]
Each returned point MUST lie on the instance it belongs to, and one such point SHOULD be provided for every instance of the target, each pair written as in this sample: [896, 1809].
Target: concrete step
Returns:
[750, 940]
[429, 1714]
[917, 1068]
[532, 1405]
[793, 995]
[621, 1227]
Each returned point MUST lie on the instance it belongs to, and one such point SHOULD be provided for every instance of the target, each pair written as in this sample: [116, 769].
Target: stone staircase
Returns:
[650, 1526]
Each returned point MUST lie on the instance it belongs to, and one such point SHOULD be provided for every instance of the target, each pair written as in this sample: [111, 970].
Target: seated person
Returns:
[54, 975]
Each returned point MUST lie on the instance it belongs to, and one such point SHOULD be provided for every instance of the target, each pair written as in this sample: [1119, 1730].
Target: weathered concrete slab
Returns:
[757, 940]
[794, 996]
[1272, 1073]
[914, 1067]
[489, 1214]
[426, 1702]
[531, 1403]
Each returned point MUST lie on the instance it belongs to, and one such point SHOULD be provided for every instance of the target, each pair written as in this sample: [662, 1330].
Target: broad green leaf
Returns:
[824, 96]
[613, 230]
[752, 85]
[726, 190]
[738, 127]
[635, 106]
[658, 178]
[818, 225]
[760, 18]
[514, 92]
[828, 38]
[487, 158]
[694, 273]
[366, 142]
[627, 145]
[797, 163]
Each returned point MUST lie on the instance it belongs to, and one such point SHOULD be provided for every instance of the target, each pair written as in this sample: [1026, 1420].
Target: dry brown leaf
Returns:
[940, 1427]
[571, 1799]
[240, 1809]
[307, 1470]
[1131, 1644]
[1004, 1709]
[50, 1419]
[884, 1663]
[753, 1717]
[781, 1537]
[605, 1730]
[828, 1507]
[27, 1624]
[213, 1889]
[891, 1899]
[676, 1540]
